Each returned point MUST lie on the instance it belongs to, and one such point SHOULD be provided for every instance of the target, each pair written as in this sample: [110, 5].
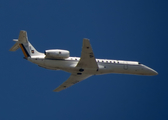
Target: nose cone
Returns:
[152, 72]
[149, 71]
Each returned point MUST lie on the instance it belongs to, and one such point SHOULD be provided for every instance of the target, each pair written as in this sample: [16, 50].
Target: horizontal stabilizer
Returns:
[15, 46]
[22, 39]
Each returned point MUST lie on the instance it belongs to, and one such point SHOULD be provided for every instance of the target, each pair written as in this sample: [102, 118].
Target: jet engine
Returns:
[57, 54]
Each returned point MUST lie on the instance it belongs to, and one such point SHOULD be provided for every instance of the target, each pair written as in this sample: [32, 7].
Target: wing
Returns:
[73, 79]
[87, 59]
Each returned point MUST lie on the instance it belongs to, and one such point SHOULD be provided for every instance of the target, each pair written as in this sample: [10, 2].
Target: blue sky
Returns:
[127, 30]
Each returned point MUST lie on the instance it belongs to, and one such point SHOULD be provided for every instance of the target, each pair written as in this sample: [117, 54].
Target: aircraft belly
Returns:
[61, 64]
[130, 69]
[85, 70]
[119, 68]
[37, 61]
[110, 68]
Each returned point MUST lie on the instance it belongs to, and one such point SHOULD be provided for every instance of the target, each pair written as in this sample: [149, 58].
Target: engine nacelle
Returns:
[57, 54]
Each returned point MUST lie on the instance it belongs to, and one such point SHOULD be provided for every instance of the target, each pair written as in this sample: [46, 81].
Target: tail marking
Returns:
[26, 54]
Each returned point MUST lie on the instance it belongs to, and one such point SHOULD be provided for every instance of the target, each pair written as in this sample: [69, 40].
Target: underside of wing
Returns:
[73, 79]
[87, 59]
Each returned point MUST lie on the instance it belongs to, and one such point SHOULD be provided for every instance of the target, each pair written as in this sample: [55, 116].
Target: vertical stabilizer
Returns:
[27, 49]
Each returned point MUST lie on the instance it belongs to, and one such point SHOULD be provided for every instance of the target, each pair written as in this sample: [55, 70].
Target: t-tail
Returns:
[27, 49]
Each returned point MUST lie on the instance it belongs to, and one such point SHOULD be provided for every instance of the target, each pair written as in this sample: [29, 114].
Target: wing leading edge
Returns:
[87, 60]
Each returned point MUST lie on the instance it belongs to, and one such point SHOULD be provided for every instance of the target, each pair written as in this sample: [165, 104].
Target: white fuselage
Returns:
[105, 66]
[80, 67]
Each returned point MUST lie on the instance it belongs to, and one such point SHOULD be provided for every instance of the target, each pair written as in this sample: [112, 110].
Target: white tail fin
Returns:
[27, 49]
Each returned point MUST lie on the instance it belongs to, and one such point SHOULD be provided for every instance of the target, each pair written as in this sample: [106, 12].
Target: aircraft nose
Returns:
[153, 72]
[150, 71]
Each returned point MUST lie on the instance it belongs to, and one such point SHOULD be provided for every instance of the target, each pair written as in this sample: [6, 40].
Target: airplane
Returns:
[80, 67]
